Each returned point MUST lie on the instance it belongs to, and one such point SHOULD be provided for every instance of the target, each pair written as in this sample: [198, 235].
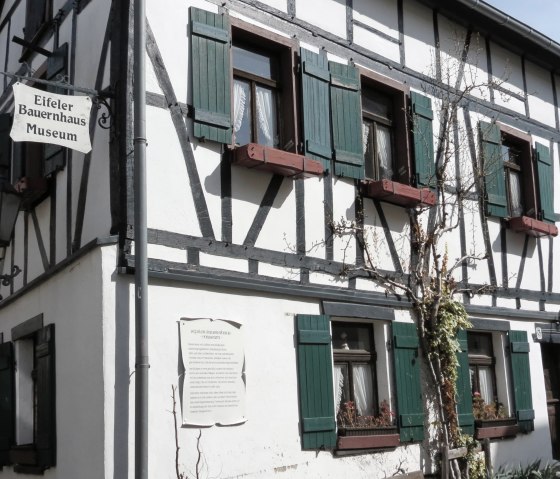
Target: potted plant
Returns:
[361, 432]
[491, 420]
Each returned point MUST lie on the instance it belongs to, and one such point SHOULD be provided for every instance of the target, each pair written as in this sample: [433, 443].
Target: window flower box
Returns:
[397, 193]
[367, 437]
[496, 428]
[532, 226]
[276, 161]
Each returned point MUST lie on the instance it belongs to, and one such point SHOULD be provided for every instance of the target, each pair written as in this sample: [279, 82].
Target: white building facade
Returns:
[269, 125]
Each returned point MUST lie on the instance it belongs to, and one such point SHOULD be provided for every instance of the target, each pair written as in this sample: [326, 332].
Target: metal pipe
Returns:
[140, 244]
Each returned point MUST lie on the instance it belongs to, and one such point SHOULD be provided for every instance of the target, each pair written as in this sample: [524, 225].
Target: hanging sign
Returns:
[50, 118]
[214, 362]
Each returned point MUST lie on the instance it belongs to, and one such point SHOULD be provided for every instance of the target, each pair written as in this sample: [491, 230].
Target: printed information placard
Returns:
[45, 117]
[214, 360]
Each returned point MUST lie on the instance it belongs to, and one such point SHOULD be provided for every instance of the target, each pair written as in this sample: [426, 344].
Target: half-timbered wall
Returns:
[244, 244]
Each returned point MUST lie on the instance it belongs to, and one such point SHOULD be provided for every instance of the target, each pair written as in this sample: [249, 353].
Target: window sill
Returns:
[496, 428]
[25, 455]
[397, 193]
[367, 438]
[532, 226]
[280, 162]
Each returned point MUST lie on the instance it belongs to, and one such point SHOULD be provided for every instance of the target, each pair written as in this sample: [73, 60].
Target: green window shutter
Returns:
[546, 185]
[211, 81]
[7, 405]
[315, 376]
[346, 114]
[521, 375]
[465, 415]
[493, 169]
[423, 140]
[35, 16]
[315, 79]
[45, 439]
[57, 64]
[5, 145]
[409, 391]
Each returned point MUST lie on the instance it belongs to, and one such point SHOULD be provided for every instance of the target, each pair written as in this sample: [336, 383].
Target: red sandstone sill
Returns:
[532, 226]
[270, 159]
[397, 193]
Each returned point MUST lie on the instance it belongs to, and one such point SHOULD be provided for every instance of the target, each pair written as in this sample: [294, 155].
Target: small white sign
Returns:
[214, 361]
[50, 118]
[539, 333]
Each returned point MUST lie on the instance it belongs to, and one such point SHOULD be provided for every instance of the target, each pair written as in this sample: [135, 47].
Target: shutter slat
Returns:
[316, 107]
[493, 169]
[315, 382]
[465, 415]
[521, 373]
[408, 385]
[346, 114]
[210, 53]
[7, 402]
[423, 140]
[546, 183]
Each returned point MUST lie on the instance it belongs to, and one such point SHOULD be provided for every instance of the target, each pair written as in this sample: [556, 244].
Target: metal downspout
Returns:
[140, 244]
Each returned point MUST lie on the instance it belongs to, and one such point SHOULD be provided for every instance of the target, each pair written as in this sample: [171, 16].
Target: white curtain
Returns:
[338, 385]
[384, 153]
[515, 193]
[265, 115]
[365, 136]
[485, 383]
[239, 101]
[363, 389]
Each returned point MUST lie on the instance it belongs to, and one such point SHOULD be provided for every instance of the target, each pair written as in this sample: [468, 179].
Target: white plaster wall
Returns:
[332, 18]
[540, 94]
[272, 398]
[418, 38]
[314, 217]
[344, 247]
[167, 172]
[381, 15]
[72, 300]
[279, 230]
[507, 71]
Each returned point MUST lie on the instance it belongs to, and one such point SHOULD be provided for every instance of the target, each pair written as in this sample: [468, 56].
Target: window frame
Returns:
[402, 154]
[285, 50]
[351, 357]
[40, 454]
[529, 192]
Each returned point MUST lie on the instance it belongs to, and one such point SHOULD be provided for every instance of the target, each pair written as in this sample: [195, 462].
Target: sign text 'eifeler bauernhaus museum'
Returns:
[45, 117]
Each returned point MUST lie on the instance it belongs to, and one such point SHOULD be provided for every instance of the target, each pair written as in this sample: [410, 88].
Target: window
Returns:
[27, 391]
[346, 389]
[517, 188]
[354, 370]
[256, 96]
[378, 135]
[494, 383]
[481, 369]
